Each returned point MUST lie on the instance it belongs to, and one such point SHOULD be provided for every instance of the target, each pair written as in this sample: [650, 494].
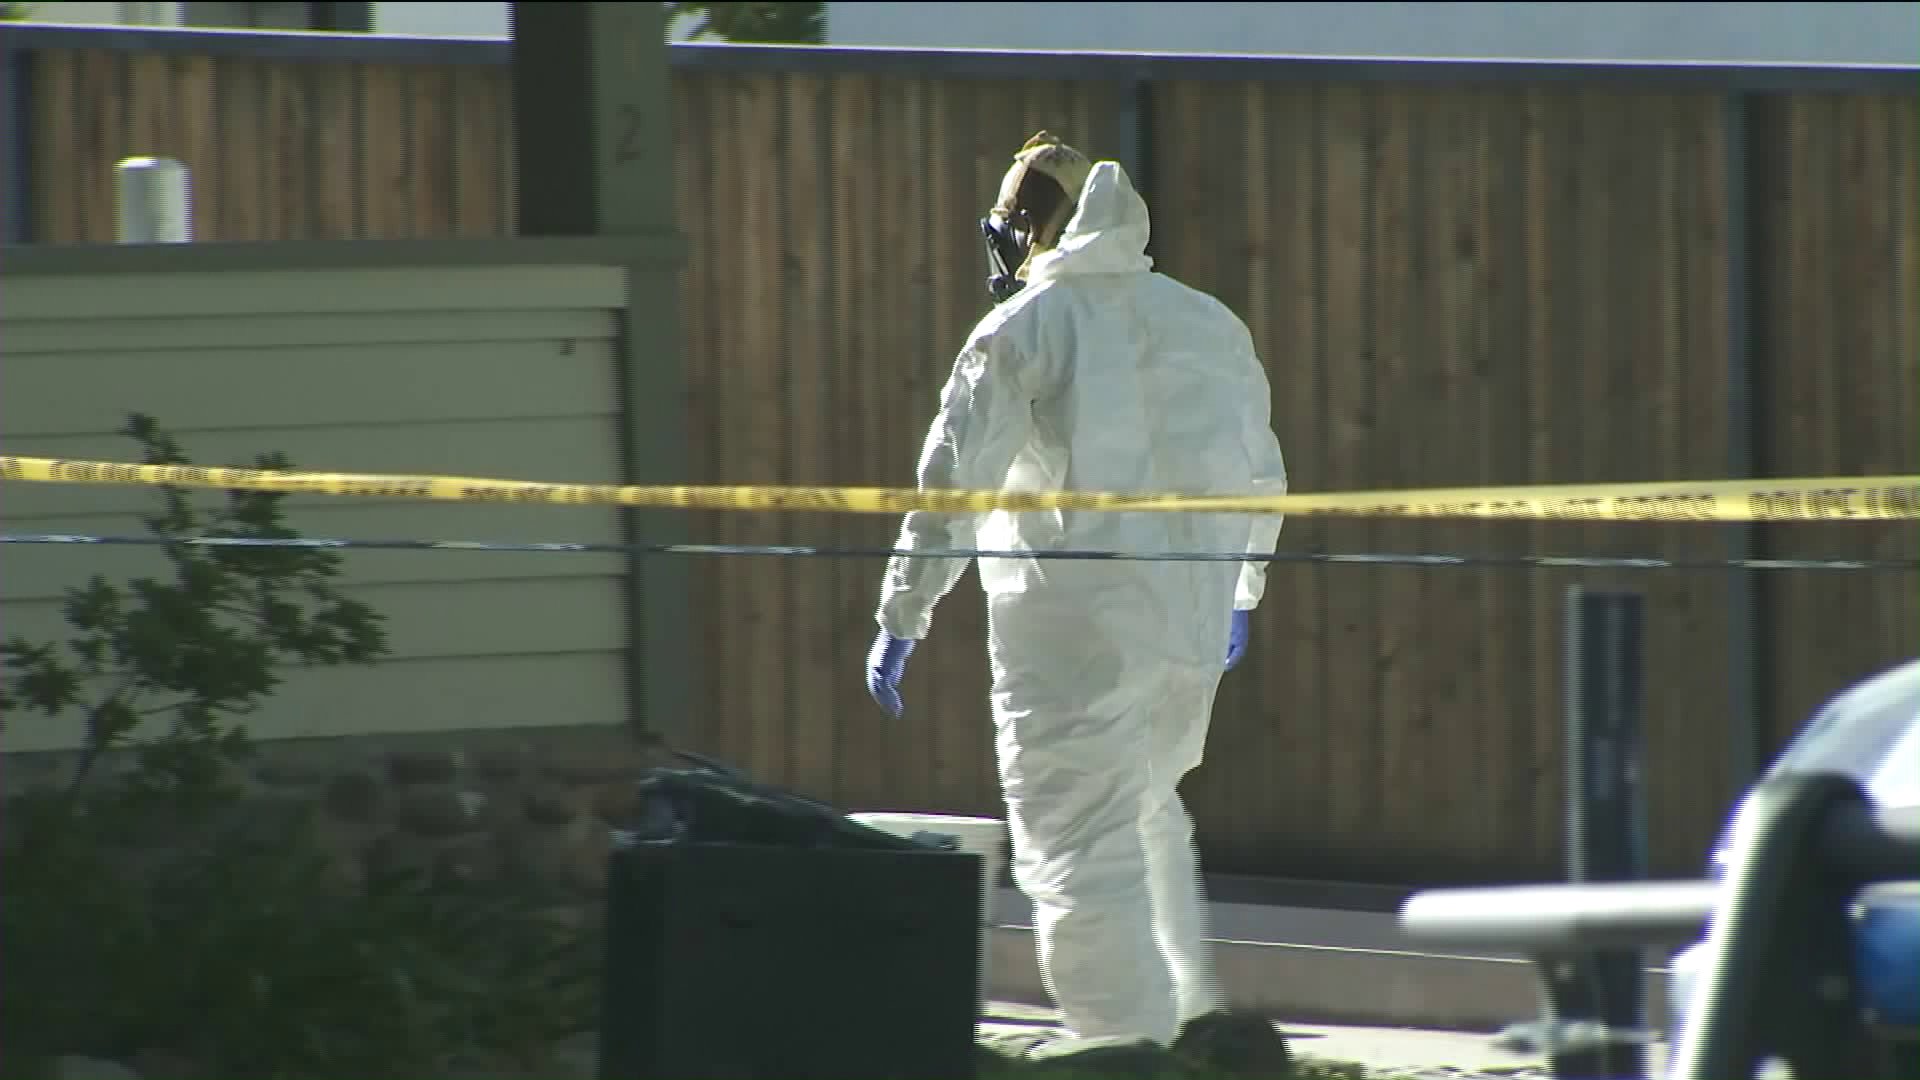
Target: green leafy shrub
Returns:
[782, 22]
[163, 907]
[246, 954]
[202, 648]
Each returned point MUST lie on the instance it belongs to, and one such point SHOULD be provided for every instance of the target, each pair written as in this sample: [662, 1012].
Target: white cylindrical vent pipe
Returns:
[154, 201]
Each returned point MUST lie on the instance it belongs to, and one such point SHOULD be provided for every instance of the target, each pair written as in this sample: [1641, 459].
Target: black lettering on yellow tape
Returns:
[1823, 499]
[935, 501]
[1574, 509]
[1770, 505]
[812, 499]
[1825, 504]
[1677, 506]
[1506, 509]
[1897, 502]
[397, 488]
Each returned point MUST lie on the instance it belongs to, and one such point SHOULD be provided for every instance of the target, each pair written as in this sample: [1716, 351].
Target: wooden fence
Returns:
[1459, 285]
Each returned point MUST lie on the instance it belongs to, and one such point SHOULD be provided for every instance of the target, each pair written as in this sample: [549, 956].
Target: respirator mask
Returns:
[1035, 200]
[1009, 238]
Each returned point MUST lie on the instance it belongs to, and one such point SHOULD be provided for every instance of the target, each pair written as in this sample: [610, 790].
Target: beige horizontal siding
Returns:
[503, 371]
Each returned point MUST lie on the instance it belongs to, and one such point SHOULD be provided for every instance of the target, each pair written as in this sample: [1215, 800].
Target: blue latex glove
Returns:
[1237, 638]
[886, 662]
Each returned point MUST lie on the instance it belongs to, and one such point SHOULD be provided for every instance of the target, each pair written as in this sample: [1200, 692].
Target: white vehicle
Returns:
[1872, 733]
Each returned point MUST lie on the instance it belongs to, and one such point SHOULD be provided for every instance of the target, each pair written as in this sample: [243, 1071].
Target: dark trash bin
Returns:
[752, 933]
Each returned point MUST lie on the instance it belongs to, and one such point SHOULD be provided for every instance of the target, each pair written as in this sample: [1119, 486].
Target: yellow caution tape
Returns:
[1841, 498]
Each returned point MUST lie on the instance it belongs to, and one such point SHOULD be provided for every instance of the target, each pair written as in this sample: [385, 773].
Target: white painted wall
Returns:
[1832, 32]
[85, 11]
[441, 20]
[161, 13]
[426, 19]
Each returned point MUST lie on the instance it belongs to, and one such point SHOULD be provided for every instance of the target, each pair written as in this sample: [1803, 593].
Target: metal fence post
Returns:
[1606, 830]
[154, 202]
[1744, 632]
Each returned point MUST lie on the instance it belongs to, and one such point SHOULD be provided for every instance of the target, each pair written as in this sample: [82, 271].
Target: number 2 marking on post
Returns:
[627, 148]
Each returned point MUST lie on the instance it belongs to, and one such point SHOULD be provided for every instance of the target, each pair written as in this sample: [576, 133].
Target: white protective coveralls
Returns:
[1102, 375]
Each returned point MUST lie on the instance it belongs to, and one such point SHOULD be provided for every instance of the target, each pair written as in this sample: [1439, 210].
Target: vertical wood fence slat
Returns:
[1839, 360]
[1477, 285]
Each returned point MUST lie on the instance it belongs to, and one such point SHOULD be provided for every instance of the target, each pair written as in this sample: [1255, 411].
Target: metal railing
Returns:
[1779, 979]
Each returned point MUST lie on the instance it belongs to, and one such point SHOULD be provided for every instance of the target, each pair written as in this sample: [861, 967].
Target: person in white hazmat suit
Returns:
[1096, 373]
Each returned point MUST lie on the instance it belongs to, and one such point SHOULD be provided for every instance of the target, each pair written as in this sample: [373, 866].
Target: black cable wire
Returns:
[1549, 562]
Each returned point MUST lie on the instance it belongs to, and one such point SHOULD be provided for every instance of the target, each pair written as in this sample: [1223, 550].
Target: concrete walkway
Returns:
[1395, 1052]
[1322, 965]
[1342, 981]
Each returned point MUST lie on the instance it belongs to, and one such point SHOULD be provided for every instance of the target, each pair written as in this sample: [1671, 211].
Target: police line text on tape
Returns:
[1862, 498]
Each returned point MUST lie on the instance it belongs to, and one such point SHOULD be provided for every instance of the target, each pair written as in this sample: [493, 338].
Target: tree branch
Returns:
[96, 744]
[252, 616]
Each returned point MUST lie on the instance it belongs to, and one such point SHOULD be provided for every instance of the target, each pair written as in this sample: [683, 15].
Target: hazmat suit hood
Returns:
[1106, 235]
